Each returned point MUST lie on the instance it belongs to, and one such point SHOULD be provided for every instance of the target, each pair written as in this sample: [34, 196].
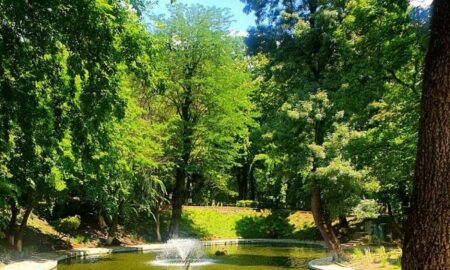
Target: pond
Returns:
[238, 257]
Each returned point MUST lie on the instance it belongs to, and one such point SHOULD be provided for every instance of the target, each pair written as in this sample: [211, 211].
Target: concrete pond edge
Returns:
[326, 264]
[49, 261]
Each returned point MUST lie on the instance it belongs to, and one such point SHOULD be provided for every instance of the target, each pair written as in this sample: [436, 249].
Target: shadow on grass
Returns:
[275, 226]
[33, 241]
[308, 232]
[40, 242]
[145, 227]
[189, 229]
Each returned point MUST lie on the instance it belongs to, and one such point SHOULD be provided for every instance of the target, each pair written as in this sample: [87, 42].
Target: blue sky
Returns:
[242, 20]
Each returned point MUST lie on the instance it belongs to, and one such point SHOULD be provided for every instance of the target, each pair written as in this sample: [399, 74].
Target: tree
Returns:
[60, 80]
[427, 240]
[205, 90]
[381, 72]
[314, 53]
[302, 61]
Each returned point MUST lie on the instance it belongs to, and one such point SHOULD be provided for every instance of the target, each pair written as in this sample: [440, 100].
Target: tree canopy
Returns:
[111, 114]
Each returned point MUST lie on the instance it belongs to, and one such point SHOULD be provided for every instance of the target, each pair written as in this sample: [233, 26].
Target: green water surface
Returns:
[248, 257]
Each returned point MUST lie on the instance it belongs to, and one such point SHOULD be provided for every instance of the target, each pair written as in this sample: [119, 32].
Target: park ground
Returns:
[212, 223]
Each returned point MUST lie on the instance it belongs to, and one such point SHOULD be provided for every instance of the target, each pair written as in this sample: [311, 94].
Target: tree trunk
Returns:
[112, 230]
[157, 213]
[188, 193]
[252, 181]
[11, 231]
[243, 177]
[177, 202]
[179, 190]
[23, 225]
[324, 225]
[101, 221]
[343, 222]
[427, 239]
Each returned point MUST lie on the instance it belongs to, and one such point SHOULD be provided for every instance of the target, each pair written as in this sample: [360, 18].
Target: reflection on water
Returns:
[248, 257]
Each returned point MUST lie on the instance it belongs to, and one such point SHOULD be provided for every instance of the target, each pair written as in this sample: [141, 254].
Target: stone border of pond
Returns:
[326, 264]
[49, 261]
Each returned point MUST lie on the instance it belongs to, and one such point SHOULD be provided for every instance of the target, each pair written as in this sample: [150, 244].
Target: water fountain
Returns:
[182, 253]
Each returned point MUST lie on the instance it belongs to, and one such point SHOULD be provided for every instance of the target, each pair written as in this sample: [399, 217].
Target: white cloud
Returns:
[238, 33]
[421, 3]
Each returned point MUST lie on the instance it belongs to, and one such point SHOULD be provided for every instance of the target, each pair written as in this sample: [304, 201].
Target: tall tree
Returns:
[60, 79]
[302, 57]
[385, 92]
[427, 240]
[205, 89]
[315, 51]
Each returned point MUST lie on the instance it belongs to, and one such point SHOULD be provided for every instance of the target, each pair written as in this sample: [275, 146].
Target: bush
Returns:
[246, 203]
[80, 239]
[68, 224]
[366, 209]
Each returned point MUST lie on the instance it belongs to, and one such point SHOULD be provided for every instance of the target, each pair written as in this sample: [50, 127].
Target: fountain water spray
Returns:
[182, 253]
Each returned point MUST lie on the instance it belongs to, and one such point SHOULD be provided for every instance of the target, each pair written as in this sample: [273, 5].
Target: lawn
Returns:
[235, 222]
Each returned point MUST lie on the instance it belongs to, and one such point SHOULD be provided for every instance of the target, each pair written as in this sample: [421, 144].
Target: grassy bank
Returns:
[233, 222]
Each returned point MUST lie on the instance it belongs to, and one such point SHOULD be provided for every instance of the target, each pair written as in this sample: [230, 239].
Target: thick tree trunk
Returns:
[427, 239]
[179, 191]
[324, 225]
[243, 179]
[321, 218]
[23, 225]
[177, 202]
[11, 230]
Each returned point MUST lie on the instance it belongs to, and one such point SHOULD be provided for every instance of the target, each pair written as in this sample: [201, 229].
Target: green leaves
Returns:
[56, 179]
[206, 92]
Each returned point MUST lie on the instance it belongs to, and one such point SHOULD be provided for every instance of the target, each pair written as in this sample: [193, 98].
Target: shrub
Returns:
[366, 209]
[69, 224]
[80, 239]
[246, 203]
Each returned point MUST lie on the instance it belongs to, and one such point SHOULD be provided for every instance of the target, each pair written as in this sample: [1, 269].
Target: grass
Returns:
[42, 226]
[234, 222]
[378, 258]
[213, 222]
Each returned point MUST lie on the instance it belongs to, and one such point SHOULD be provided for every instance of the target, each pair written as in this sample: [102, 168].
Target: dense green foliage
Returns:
[339, 90]
[339, 100]
[100, 115]
[108, 119]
